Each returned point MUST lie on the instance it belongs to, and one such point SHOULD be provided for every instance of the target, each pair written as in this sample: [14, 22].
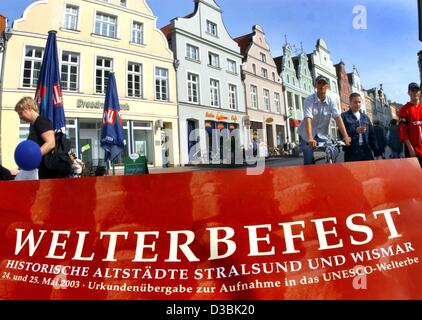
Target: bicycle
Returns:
[328, 151]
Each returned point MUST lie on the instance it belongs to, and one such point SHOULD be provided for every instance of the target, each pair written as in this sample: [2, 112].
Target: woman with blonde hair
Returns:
[40, 131]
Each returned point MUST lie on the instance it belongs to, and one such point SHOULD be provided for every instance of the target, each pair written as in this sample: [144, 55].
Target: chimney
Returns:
[3, 23]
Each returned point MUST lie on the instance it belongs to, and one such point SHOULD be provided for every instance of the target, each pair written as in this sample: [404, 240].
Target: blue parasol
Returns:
[112, 134]
[48, 94]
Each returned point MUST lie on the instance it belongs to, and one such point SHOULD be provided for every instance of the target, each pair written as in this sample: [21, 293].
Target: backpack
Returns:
[58, 161]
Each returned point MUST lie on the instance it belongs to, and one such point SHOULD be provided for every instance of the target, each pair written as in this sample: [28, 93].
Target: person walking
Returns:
[360, 129]
[410, 127]
[393, 140]
[380, 142]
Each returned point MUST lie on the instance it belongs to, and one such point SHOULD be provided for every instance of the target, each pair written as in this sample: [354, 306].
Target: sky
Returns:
[383, 52]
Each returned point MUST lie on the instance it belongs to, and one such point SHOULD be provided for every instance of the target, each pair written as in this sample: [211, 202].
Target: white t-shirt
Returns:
[357, 115]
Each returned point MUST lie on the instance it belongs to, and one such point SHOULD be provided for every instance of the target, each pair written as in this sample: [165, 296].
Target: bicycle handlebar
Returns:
[330, 143]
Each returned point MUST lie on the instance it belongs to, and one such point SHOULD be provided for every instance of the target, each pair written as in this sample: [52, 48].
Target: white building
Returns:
[263, 89]
[320, 63]
[210, 89]
[356, 86]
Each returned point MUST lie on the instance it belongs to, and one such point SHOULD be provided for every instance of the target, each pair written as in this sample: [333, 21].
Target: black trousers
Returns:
[358, 153]
[407, 155]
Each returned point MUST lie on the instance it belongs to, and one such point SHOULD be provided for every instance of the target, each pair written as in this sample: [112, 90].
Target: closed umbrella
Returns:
[112, 133]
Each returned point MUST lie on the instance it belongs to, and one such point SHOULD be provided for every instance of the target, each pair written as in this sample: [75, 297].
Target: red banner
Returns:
[343, 231]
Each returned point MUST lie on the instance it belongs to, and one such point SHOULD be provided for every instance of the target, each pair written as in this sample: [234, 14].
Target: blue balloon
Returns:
[28, 155]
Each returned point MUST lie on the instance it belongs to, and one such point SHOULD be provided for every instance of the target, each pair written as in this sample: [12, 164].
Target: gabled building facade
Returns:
[210, 88]
[380, 106]
[395, 109]
[369, 103]
[344, 86]
[320, 63]
[297, 84]
[356, 86]
[263, 89]
[95, 38]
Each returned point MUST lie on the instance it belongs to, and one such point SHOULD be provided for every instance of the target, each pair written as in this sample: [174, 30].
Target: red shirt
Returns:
[410, 126]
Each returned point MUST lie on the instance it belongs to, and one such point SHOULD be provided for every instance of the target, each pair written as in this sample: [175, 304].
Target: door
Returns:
[270, 136]
[192, 125]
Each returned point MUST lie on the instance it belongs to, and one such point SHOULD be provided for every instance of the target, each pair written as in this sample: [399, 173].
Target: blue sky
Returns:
[385, 52]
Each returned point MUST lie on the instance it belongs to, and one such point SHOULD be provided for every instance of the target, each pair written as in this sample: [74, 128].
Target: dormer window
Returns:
[263, 57]
[212, 28]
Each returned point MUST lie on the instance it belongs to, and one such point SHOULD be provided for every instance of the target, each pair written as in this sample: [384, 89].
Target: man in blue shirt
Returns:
[318, 110]
[360, 130]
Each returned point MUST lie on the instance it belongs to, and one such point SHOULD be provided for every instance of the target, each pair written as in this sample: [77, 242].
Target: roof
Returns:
[350, 77]
[244, 42]
[278, 62]
[296, 65]
[168, 28]
[3, 23]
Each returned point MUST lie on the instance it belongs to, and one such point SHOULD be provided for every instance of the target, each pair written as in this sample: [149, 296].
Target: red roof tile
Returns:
[244, 42]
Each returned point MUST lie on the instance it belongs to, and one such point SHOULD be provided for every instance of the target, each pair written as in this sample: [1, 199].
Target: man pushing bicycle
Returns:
[318, 110]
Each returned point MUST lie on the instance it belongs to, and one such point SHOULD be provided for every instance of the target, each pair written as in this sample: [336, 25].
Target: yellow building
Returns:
[94, 38]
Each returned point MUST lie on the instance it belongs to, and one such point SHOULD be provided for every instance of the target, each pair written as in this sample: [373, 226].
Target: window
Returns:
[23, 130]
[277, 102]
[254, 96]
[263, 57]
[105, 25]
[103, 68]
[123, 3]
[134, 80]
[138, 32]
[231, 66]
[297, 102]
[288, 79]
[212, 28]
[70, 71]
[192, 52]
[289, 100]
[213, 60]
[266, 100]
[253, 68]
[32, 66]
[215, 92]
[333, 86]
[161, 84]
[71, 17]
[193, 88]
[232, 96]
[264, 73]
[274, 76]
